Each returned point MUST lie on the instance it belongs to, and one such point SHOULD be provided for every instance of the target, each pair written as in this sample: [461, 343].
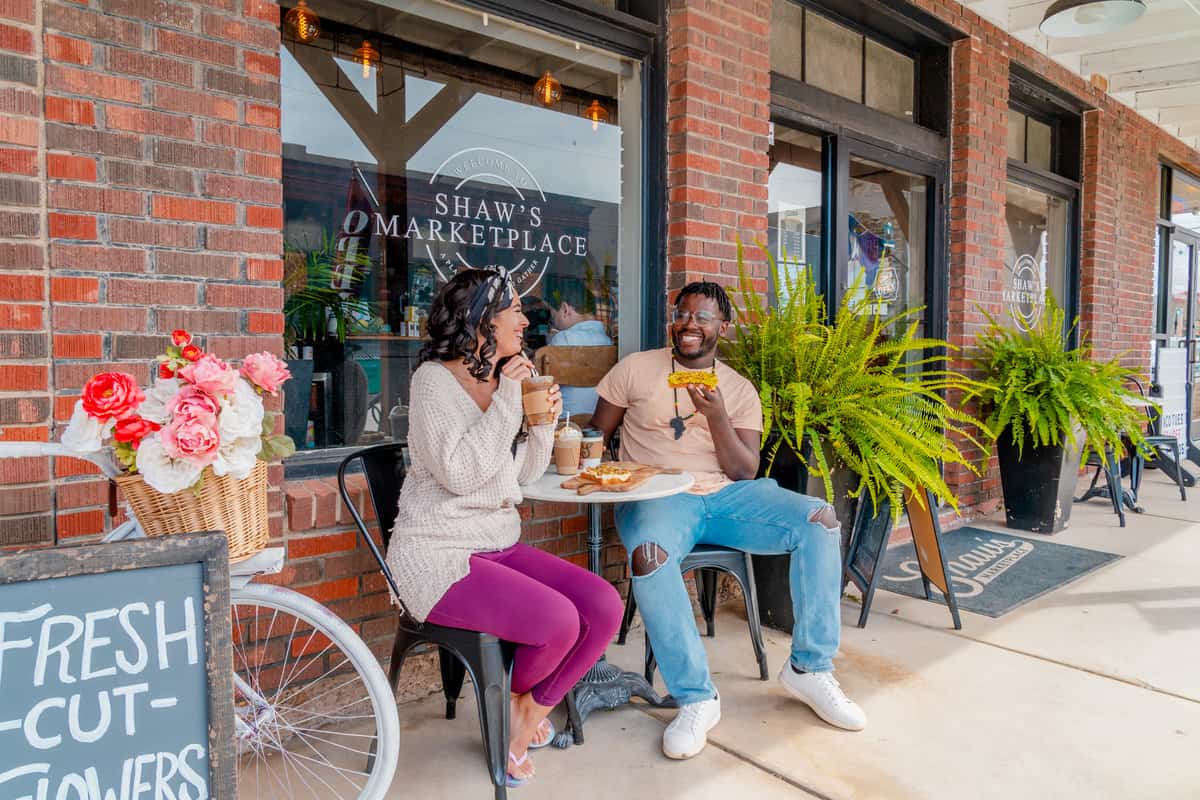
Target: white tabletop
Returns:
[549, 487]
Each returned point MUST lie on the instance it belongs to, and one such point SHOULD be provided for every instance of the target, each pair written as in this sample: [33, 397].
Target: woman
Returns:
[454, 550]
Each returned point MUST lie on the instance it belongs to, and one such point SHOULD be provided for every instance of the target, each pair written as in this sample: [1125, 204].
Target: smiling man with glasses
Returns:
[708, 421]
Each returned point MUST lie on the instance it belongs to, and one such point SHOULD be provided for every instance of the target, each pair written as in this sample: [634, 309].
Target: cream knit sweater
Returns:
[461, 493]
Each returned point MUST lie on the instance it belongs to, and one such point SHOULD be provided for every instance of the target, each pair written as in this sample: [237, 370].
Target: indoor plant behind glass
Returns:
[860, 402]
[1050, 406]
[318, 313]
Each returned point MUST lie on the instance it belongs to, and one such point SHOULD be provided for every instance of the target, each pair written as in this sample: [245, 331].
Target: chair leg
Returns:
[492, 680]
[1176, 472]
[706, 591]
[1112, 474]
[627, 620]
[574, 721]
[453, 673]
[651, 663]
[752, 620]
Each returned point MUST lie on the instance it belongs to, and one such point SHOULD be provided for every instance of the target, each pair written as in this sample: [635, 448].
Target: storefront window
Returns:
[1185, 201]
[1035, 253]
[794, 189]
[1030, 140]
[475, 142]
[810, 47]
[887, 259]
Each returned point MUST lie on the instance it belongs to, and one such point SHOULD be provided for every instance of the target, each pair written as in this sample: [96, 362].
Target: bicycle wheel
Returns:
[315, 715]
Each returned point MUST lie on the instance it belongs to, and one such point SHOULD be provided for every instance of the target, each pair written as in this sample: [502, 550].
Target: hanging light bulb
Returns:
[596, 113]
[305, 25]
[547, 90]
[368, 56]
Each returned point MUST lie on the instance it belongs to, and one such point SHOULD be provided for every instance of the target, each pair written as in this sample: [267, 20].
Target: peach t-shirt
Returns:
[638, 384]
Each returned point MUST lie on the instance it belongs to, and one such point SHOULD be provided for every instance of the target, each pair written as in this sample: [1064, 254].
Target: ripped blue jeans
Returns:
[756, 516]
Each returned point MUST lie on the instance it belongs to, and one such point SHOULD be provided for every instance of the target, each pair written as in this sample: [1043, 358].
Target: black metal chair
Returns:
[488, 659]
[1158, 443]
[707, 560]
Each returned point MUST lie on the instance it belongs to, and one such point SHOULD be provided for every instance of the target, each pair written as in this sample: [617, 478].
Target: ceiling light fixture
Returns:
[596, 113]
[368, 56]
[547, 90]
[1072, 18]
[304, 24]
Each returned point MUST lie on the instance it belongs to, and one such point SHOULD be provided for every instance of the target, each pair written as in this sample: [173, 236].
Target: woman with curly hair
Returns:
[454, 550]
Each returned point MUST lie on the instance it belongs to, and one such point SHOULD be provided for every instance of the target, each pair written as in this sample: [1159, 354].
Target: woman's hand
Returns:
[518, 368]
[556, 401]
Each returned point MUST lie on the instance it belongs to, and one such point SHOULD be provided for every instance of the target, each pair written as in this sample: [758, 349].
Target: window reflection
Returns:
[1035, 253]
[794, 224]
[887, 222]
[440, 159]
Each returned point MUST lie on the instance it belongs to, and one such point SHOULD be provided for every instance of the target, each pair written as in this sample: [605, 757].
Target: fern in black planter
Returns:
[1051, 405]
[867, 390]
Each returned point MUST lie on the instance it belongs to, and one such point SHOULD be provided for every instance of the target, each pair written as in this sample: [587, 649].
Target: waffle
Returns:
[682, 378]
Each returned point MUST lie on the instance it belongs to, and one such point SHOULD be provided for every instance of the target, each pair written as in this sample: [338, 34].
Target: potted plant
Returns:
[318, 313]
[1051, 406]
[859, 403]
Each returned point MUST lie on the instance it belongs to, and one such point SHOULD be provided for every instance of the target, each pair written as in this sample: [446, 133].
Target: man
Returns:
[578, 329]
[715, 435]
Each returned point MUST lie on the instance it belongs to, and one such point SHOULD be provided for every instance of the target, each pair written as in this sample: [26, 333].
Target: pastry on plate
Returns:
[606, 475]
[694, 377]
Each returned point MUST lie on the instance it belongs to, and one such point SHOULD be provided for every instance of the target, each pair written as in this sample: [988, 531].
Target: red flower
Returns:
[164, 370]
[111, 395]
[180, 338]
[192, 353]
[133, 430]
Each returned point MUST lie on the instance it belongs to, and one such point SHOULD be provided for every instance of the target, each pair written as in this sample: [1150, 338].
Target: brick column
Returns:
[25, 501]
[718, 109]
[978, 171]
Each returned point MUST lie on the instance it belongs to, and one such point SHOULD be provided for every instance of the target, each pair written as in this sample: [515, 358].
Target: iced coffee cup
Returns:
[535, 398]
[568, 441]
[592, 449]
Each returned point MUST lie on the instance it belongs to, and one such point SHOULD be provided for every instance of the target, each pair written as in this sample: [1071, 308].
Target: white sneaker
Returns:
[688, 732]
[823, 694]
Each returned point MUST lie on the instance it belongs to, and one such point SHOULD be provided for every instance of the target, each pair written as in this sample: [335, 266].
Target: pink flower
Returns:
[210, 374]
[193, 439]
[192, 401]
[179, 338]
[265, 371]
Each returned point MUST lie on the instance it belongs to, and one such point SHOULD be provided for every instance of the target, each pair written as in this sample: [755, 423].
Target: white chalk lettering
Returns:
[129, 693]
[192, 776]
[91, 641]
[77, 731]
[143, 656]
[30, 728]
[32, 615]
[45, 650]
[187, 634]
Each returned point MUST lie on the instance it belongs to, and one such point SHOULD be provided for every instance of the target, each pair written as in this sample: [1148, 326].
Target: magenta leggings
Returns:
[560, 616]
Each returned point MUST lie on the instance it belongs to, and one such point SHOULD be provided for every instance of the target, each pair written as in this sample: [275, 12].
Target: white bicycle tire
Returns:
[361, 658]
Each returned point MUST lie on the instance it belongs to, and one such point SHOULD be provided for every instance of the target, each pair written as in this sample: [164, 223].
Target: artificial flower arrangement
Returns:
[200, 412]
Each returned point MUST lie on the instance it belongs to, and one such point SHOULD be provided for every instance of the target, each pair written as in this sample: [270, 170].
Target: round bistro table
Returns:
[604, 685]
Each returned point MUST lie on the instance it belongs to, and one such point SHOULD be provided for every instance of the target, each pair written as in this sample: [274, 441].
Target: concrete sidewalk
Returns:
[1091, 691]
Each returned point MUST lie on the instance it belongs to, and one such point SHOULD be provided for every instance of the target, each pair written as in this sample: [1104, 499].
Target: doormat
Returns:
[992, 573]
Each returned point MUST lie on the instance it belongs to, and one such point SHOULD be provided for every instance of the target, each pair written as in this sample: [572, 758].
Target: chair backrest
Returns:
[1152, 413]
[383, 466]
[576, 365]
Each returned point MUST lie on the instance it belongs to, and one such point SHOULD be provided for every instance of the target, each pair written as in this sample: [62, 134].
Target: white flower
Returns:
[85, 434]
[162, 472]
[237, 458]
[241, 413]
[154, 407]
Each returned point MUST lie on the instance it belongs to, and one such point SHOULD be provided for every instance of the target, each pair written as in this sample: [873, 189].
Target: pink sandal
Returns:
[512, 781]
[549, 739]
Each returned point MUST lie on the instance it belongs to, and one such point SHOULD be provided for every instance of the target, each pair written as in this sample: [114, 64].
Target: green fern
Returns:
[313, 298]
[869, 390]
[1039, 391]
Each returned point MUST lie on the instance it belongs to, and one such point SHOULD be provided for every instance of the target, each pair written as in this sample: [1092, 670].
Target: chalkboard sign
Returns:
[115, 671]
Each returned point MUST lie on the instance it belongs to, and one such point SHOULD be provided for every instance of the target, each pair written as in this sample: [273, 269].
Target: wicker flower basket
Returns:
[223, 504]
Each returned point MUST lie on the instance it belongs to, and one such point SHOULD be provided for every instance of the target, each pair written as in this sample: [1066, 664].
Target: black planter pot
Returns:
[296, 396]
[771, 572]
[1039, 485]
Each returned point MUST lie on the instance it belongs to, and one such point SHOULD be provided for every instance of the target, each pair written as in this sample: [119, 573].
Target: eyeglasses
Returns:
[701, 317]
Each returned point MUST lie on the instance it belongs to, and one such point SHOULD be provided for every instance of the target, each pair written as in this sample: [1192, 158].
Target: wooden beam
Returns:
[1156, 78]
[1169, 98]
[1178, 25]
[1123, 59]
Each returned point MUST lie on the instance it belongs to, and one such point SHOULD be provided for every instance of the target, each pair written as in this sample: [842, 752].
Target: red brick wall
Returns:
[718, 110]
[142, 161]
